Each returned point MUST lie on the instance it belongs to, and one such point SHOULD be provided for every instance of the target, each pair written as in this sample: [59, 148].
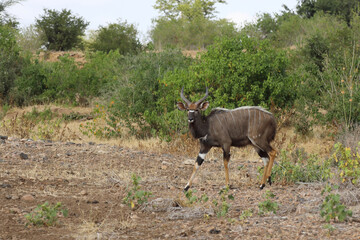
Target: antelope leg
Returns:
[271, 162]
[266, 167]
[226, 167]
[197, 165]
[226, 150]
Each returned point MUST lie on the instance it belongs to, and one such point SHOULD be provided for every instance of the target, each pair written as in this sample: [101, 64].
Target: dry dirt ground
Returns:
[91, 180]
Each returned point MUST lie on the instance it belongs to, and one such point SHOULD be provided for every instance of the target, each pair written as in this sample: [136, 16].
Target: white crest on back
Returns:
[241, 108]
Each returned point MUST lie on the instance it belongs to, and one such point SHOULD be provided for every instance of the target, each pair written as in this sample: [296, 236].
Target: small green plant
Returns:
[330, 228]
[222, 205]
[246, 214]
[268, 205]
[331, 208]
[135, 196]
[348, 162]
[191, 198]
[46, 214]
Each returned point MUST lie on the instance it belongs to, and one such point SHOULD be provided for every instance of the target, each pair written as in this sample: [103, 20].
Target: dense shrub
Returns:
[62, 81]
[121, 36]
[180, 33]
[332, 96]
[10, 60]
[298, 166]
[136, 93]
[238, 71]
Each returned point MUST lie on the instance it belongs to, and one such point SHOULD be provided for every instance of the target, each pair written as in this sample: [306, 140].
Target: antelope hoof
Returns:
[269, 180]
[262, 186]
[186, 188]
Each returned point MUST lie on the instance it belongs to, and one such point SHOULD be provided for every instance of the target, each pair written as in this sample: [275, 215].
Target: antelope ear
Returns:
[204, 106]
[181, 106]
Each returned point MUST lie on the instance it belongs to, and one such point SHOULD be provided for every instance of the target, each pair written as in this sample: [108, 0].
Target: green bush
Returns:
[30, 84]
[10, 61]
[138, 93]
[238, 71]
[62, 81]
[297, 166]
[335, 90]
[245, 71]
[122, 37]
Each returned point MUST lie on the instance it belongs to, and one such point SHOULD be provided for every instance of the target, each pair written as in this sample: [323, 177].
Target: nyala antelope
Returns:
[225, 128]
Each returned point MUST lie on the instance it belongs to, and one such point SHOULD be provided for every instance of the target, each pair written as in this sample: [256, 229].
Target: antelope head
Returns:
[193, 108]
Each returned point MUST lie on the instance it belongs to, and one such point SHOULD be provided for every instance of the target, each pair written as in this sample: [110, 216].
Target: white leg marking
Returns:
[202, 155]
[265, 160]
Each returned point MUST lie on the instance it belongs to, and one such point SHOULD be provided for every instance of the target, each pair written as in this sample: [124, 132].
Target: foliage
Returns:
[61, 29]
[135, 196]
[244, 71]
[5, 17]
[121, 36]
[222, 205]
[268, 205]
[331, 208]
[348, 162]
[238, 71]
[246, 214]
[30, 84]
[10, 61]
[192, 198]
[41, 82]
[46, 214]
[111, 128]
[297, 166]
[137, 95]
[188, 9]
[29, 38]
[195, 34]
[334, 89]
[188, 24]
[342, 8]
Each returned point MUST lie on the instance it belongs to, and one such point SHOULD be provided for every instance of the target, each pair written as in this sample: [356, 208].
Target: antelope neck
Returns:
[199, 127]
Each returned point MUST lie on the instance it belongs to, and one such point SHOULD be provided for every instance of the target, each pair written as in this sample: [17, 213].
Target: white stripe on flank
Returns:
[254, 143]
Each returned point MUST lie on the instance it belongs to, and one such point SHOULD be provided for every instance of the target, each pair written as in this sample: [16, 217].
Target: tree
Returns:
[188, 24]
[343, 8]
[117, 36]
[61, 29]
[5, 18]
[189, 9]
